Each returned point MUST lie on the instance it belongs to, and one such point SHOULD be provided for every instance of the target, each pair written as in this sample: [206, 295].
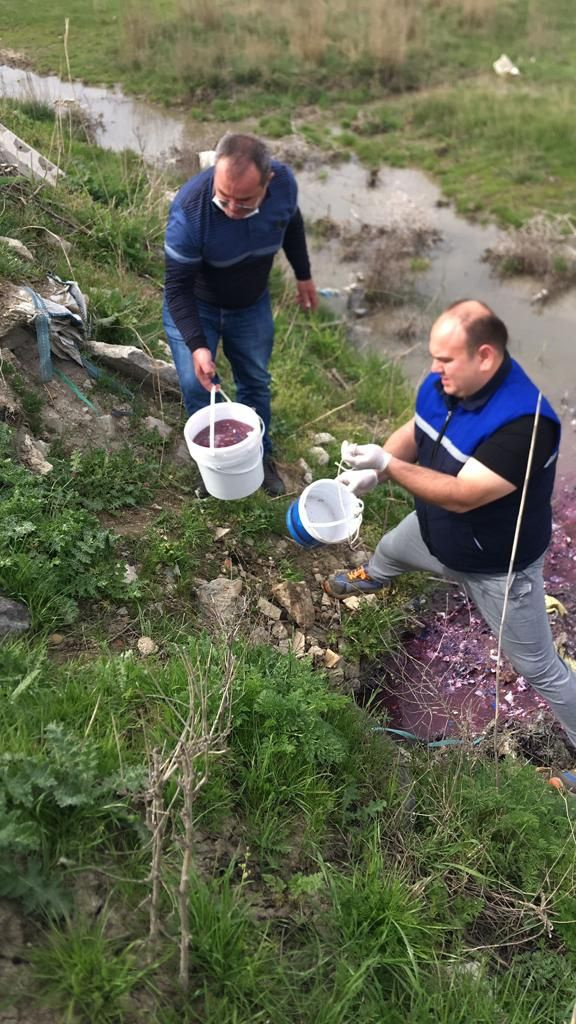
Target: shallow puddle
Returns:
[120, 122]
[541, 338]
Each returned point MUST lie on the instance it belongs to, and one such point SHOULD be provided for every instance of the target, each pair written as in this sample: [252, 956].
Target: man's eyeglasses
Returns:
[225, 204]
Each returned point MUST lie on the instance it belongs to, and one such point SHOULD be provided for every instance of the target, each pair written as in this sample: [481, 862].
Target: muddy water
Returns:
[120, 121]
[543, 339]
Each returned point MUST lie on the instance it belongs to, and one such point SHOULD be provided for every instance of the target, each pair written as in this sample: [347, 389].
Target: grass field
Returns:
[405, 83]
[217, 834]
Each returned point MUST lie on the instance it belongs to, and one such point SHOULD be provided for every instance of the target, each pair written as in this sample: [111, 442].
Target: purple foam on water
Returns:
[226, 433]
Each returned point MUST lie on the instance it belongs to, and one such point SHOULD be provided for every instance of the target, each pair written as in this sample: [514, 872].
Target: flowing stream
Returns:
[541, 337]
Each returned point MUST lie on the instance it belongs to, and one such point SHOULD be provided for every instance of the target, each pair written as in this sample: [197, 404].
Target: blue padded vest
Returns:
[448, 432]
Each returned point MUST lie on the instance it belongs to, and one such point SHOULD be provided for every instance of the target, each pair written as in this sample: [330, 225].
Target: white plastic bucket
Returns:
[233, 472]
[329, 512]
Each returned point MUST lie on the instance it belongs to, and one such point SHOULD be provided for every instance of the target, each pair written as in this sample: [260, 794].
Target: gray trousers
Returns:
[527, 638]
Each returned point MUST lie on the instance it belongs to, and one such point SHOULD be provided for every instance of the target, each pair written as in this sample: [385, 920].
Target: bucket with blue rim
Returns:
[326, 512]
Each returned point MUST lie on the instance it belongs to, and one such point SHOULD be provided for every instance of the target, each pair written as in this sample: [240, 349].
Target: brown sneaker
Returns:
[356, 581]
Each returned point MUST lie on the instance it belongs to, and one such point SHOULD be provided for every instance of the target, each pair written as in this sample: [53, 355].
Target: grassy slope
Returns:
[336, 881]
[498, 147]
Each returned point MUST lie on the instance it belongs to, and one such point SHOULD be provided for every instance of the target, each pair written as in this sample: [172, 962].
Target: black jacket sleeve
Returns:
[296, 249]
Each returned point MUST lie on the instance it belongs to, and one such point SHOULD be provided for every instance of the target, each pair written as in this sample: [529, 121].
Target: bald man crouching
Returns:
[464, 457]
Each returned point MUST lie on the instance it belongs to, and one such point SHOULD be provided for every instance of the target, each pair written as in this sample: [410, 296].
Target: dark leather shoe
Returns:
[200, 492]
[273, 483]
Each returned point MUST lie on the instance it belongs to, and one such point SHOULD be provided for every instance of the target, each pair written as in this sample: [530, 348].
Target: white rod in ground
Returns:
[511, 570]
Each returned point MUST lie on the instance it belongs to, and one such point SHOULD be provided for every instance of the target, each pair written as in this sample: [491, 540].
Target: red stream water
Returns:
[442, 683]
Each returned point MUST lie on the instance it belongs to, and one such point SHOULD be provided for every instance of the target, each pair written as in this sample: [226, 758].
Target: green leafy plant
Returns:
[86, 975]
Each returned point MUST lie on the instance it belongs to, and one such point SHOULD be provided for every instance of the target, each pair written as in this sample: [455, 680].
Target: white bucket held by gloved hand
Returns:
[325, 513]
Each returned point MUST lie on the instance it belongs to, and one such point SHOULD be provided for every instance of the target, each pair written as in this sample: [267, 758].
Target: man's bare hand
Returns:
[306, 295]
[204, 367]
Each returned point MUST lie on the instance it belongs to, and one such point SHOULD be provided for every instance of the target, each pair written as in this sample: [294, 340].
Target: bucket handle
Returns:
[212, 424]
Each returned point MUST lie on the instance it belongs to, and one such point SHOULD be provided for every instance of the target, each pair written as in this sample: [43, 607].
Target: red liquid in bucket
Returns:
[226, 433]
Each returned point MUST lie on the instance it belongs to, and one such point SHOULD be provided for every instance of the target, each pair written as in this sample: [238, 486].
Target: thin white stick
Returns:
[511, 569]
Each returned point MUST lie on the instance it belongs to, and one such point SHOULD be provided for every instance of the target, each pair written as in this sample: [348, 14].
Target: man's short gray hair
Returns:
[242, 151]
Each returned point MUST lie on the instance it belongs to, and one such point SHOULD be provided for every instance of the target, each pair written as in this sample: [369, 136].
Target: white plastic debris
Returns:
[504, 66]
[206, 158]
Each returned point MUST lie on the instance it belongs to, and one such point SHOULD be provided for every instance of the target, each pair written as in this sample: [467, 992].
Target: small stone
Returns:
[352, 602]
[146, 646]
[220, 599]
[221, 531]
[326, 601]
[106, 426]
[352, 670]
[331, 658]
[271, 611]
[279, 631]
[55, 639]
[295, 597]
[19, 248]
[259, 637]
[152, 423]
[130, 574]
[320, 455]
[181, 455]
[358, 557]
[324, 438]
[298, 644]
[32, 456]
[315, 652]
[307, 475]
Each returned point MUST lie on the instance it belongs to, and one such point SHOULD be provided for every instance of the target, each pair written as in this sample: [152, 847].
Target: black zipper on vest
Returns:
[438, 440]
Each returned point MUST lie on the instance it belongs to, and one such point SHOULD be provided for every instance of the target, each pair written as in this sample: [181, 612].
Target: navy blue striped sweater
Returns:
[223, 261]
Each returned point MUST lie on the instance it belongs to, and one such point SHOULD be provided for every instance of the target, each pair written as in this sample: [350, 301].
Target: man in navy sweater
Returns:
[464, 457]
[224, 228]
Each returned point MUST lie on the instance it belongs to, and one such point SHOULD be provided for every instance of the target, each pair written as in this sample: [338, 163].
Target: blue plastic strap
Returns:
[42, 324]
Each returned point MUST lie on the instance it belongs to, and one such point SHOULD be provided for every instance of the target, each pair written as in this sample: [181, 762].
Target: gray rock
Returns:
[297, 600]
[268, 609]
[19, 248]
[358, 557]
[319, 455]
[323, 438]
[220, 599]
[33, 457]
[133, 362]
[151, 423]
[181, 455]
[279, 631]
[14, 617]
[105, 427]
[259, 637]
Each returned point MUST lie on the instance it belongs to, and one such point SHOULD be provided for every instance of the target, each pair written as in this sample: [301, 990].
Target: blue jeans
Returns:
[247, 339]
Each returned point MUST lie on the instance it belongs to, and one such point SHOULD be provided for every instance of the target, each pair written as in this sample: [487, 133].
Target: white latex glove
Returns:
[364, 456]
[359, 481]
